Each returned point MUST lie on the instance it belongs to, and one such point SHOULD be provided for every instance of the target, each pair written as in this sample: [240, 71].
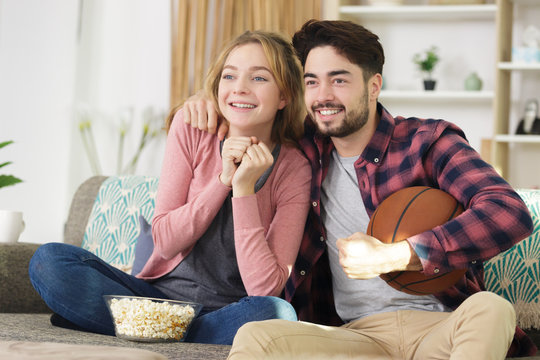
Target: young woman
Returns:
[229, 214]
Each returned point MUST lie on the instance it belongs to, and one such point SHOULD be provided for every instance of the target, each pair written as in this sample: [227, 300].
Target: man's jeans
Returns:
[72, 281]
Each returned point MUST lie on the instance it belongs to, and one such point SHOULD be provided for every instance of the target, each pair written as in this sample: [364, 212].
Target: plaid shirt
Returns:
[415, 152]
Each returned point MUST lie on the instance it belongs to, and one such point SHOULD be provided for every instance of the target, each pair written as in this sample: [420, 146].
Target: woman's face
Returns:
[248, 95]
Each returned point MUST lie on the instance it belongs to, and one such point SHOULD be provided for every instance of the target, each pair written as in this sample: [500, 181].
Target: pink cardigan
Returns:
[268, 226]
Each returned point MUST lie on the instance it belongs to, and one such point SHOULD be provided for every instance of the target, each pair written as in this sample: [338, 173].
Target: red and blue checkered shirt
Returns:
[407, 152]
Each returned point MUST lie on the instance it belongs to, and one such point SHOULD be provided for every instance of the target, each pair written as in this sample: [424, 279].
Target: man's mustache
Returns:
[328, 105]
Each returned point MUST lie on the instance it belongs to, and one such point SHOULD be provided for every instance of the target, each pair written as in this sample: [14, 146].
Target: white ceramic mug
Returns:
[11, 225]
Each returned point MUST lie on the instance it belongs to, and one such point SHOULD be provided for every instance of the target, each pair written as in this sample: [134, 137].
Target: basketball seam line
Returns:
[404, 211]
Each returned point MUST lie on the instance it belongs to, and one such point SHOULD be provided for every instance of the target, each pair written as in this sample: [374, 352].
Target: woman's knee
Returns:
[47, 259]
[276, 307]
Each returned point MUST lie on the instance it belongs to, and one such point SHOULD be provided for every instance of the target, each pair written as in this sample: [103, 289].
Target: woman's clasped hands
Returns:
[245, 159]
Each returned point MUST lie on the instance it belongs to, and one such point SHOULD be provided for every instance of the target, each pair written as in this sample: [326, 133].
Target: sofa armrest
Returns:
[17, 295]
[80, 209]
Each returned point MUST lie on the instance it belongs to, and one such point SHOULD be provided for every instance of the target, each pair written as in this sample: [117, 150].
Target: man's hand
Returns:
[199, 111]
[364, 257]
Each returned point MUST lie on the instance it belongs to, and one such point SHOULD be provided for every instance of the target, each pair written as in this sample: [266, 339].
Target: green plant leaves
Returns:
[7, 180]
[5, 143]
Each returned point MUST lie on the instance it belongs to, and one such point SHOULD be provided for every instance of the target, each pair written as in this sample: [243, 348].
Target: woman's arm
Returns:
[189, 193]
[265, 259]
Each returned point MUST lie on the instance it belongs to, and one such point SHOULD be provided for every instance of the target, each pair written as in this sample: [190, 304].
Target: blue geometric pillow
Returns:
[113, 226]
[515, 273]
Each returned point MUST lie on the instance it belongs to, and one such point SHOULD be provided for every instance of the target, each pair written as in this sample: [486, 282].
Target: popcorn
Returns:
[147, 319]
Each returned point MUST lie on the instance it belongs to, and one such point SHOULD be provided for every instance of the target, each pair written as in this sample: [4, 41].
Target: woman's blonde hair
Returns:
[285, 67]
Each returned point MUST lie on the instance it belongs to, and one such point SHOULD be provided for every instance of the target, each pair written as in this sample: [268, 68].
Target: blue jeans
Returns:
[72, 281]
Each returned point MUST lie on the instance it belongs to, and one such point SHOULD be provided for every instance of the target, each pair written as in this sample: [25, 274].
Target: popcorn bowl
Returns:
[149, 319]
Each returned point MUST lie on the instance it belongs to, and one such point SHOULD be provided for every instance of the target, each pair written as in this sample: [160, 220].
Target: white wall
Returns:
[54, 55]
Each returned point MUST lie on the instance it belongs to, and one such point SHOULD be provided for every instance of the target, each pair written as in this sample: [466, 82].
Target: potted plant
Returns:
[11, 222]
[426, 62]
[7, 180]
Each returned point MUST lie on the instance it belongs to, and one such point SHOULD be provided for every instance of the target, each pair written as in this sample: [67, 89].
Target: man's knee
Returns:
[252, 339]
[492, 302]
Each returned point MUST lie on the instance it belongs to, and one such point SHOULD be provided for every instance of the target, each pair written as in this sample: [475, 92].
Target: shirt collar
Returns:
[374, 151]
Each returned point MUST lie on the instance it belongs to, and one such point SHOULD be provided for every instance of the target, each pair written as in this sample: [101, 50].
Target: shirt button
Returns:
[321, 238]
[302, 272]
[376, 160]
[473, 262]
[436, 271]
[314, 204]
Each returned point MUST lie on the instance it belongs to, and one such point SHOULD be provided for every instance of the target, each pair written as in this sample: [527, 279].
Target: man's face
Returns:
[336, 94]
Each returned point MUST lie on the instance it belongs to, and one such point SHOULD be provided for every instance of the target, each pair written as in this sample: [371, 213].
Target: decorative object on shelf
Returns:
[152, 121]
[11, 222]
[426, 62]
[530, 51]
[473, 82]
[530, 123]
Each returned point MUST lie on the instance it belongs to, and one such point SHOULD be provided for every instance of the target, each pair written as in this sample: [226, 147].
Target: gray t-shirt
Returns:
[209, 274]
[344, 213]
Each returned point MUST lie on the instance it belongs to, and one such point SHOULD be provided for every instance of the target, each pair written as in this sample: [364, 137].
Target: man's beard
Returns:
[353, 120]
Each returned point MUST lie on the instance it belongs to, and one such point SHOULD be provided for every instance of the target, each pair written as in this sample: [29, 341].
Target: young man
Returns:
[360, 155]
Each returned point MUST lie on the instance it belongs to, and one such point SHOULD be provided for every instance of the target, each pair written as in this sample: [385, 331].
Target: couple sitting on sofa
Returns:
[230, 215]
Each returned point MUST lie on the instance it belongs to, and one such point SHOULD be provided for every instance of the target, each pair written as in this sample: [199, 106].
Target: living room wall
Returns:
[56, 57]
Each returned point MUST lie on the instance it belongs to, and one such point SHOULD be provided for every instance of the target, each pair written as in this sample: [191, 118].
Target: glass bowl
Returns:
[149, 319]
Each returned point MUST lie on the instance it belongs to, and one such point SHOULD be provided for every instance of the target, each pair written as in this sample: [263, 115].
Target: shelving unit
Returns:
[407, 29]
[504, 142]
[422, 12]
[457, 96]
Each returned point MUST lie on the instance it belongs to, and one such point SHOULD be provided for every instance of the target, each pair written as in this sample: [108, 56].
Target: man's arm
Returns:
[200, 112]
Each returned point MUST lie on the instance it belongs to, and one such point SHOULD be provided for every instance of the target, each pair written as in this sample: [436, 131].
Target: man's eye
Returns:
[310, 82]
[339, 81]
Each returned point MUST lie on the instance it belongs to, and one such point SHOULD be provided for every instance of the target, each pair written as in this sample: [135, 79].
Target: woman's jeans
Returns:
[72, 281]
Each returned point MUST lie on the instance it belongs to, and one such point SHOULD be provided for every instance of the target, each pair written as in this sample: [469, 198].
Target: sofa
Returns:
[105, 217]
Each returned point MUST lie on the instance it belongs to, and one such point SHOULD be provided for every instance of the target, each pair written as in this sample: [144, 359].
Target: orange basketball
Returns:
[411, 211]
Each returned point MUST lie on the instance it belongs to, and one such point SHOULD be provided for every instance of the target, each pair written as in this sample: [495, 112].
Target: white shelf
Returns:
[437, 95]
[426, 12]
[519, 66]
[518, 138]
[525, 2]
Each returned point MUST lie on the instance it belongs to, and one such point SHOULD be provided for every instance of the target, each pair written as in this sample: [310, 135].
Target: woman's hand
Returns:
[255, 161]
[232, 153]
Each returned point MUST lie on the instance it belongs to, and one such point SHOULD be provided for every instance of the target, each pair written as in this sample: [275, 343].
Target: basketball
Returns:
[411, 211]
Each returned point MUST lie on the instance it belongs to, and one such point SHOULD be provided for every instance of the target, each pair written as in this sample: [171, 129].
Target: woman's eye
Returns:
[227, 77]
[259, 78]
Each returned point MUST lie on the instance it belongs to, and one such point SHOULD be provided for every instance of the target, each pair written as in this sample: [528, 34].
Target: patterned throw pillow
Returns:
[113, 226]
[515, 273]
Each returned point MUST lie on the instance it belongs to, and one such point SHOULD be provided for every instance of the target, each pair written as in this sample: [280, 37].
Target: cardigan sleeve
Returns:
[182, 214]
[265, 258]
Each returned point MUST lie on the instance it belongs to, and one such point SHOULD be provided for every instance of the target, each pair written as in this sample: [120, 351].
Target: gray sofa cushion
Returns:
[17, 295]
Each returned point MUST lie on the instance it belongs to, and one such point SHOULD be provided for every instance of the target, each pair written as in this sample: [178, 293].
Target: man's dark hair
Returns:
[359, 45]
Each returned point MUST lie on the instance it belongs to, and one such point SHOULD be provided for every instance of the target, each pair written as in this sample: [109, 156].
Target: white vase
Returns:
[11, 226]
